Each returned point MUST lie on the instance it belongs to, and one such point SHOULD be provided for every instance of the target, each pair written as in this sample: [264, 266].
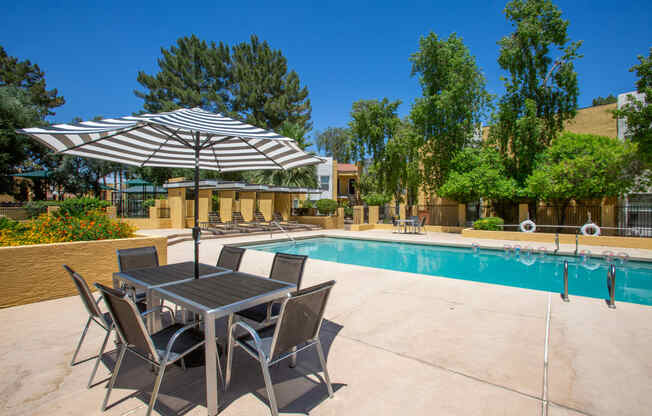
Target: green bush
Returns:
[215, 202]
[149, 203]
[77, 207]
[36, 208]
[489, 224]
[326, 206]
[375, 199]
[11, 225]
[306, 203]
[348, 211]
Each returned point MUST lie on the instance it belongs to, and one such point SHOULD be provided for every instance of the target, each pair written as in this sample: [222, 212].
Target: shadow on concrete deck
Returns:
[298, 390]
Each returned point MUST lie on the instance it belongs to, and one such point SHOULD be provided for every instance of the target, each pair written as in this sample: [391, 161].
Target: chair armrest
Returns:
[175, 336]
[251, 331]
[97, 301]
[158, 308]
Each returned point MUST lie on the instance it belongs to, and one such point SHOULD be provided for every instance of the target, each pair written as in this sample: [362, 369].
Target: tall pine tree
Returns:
[192, 73]
[264, 93]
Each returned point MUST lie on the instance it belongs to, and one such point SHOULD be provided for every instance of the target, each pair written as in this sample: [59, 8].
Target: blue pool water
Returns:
[585, 278]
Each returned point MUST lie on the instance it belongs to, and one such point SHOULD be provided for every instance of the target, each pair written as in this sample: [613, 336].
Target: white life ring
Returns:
[532, 227]
[590, 226]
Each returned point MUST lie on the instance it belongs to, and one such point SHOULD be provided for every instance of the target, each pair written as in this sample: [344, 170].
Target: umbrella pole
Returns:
[196, 231]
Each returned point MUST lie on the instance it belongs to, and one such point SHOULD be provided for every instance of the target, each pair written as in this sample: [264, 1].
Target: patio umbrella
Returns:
[185, 138]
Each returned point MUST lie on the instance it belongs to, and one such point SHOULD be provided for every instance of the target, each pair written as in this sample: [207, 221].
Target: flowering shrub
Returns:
[58, 228]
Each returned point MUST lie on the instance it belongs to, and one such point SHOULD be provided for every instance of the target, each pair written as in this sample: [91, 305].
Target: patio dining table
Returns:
[405, 223]
[153, 277]
[217, 297]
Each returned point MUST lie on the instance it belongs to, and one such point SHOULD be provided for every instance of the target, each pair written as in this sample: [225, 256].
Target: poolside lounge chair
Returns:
[246, 226]
[286, 268]
[296, 329]
[230, 257]
[216, 226]
[137, 258]
[291, 225]
[160, 349]
[103, 319]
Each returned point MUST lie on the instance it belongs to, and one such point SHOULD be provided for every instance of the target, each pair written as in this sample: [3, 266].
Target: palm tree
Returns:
[303, 177]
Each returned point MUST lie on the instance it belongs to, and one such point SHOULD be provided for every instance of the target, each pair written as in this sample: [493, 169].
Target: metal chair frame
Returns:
[154, 358]
[267, 361]
[94, 315]
[137, 296]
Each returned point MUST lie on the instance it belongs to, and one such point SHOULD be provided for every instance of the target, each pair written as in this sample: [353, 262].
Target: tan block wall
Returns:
[358, 214]
[283, 205]
[266, 204]
[177, 201]
[35, 273]
[205, 201]
[325, 222]
[226, 205]
[247, 205]
[373, 214]
[148, 223]
[402, 211]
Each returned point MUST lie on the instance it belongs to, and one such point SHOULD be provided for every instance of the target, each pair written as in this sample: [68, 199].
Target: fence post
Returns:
[373, 214]
[358, 214]
[523, 213]
[461, 214]
[608, 213]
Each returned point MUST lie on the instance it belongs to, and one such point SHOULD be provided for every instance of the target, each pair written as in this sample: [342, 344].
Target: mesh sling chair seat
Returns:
[296, 329]
[103, 319]
[137, 258]
[285, 268]
[160, 349]
[230, 257]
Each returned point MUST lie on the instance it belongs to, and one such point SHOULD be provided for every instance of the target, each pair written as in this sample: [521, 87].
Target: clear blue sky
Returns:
[342, 50]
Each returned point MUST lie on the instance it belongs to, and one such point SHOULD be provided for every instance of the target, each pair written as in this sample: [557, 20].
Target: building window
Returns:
[351, 186]
[324, 182]
[237, 195]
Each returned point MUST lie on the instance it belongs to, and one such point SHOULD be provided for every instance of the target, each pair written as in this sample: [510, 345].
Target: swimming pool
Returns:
[530, 271]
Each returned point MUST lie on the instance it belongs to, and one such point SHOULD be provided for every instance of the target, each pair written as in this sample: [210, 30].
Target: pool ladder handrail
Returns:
[564, 295]
[611, 286]
[282, 230]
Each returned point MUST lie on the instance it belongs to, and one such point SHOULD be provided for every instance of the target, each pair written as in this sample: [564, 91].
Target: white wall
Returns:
[324, 169]
[622, 100]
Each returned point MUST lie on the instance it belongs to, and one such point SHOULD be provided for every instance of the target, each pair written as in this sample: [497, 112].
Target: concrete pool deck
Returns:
[397, 343]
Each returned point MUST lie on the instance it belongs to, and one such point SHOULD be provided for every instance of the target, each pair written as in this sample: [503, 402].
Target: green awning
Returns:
[137, 182]
[37, 174]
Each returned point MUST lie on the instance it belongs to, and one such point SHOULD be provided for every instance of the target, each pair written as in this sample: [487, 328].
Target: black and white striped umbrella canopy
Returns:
[170, 139]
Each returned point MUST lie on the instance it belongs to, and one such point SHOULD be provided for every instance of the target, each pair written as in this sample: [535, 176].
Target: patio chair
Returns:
[395, 225]
[286, 268]
[297, 328]
[103, 319]
[230, 257]
[137, 258]
[160, 349]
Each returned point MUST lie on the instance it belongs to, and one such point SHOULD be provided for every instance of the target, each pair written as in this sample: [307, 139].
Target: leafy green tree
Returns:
[263, 92]
[302, 177]
[373, 124]
[335, 142]
[583, 166]
[25, 101]
[479, 173]
[541, 87]
[609, 99]
[638, 113]
[453, 101]
[399, 169]
[192, 73]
